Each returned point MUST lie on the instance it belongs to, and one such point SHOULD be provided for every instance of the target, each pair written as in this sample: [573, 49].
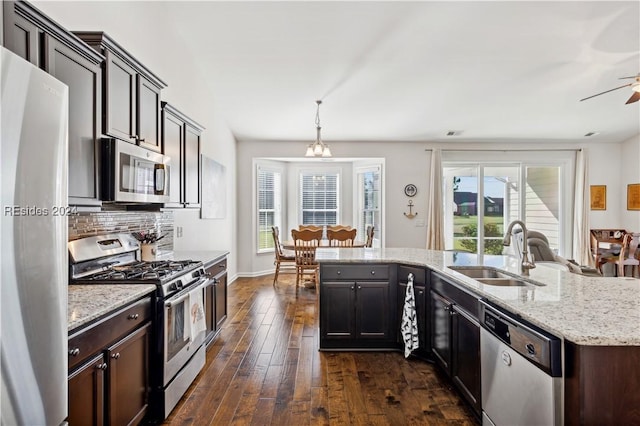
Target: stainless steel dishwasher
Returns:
[521, 368]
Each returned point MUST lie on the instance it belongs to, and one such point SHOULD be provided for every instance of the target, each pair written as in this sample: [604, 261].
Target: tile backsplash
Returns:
[108, 222]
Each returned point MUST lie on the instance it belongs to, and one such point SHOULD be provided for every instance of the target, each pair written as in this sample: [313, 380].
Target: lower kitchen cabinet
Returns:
[358, 307]
[109, 368]
[215, 304]
[455, 337]
[420, 294]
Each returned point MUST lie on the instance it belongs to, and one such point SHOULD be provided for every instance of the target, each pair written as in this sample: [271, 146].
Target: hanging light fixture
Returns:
[318, 148]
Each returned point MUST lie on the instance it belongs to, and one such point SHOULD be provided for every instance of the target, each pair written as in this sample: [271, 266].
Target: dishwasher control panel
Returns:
[536, 345]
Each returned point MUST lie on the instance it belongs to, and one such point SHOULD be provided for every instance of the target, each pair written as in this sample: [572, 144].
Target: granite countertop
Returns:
[204, 256]
[88, 302]
[584, 310]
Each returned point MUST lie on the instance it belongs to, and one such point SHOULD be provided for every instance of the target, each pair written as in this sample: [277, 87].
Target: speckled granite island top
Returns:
[88, 302]
[599, 311]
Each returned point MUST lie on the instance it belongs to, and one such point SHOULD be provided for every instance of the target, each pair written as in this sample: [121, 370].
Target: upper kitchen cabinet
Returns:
[181, 143]
[38, 39]
[131, 94]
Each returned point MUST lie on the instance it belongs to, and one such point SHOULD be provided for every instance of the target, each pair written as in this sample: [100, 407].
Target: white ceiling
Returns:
[411, 71]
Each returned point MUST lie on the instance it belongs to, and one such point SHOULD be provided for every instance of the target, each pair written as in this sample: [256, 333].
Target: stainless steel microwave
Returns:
[131, 174]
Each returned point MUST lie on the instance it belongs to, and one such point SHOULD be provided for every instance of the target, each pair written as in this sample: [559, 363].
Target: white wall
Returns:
[167, 57]
[630, 173]
[404, 163]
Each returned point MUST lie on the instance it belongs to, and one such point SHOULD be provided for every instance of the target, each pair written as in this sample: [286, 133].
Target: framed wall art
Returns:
[633, 196]
[598, 196]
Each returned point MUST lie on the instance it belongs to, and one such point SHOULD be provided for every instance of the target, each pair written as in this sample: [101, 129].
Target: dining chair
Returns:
[627, 255]
[305, 244]
[369, 242]
[309, 228]
[338, 227]
[341, 237]
[286, 257]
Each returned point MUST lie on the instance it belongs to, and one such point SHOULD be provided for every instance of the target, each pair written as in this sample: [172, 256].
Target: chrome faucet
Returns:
[525, 264]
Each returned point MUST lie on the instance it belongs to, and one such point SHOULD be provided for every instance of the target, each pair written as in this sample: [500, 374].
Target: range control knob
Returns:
[531, 350]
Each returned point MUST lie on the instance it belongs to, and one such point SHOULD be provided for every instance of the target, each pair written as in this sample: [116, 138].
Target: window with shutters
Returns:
[269, 202]
[319, 195]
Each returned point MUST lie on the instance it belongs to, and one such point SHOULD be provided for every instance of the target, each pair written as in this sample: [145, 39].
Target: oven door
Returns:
[180, 339]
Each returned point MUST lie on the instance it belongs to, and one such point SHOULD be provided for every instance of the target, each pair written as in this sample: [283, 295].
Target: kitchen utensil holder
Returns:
[148, 252]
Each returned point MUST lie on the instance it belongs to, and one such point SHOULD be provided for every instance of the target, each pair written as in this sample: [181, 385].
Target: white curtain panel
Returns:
[435, 225]
[581, 237]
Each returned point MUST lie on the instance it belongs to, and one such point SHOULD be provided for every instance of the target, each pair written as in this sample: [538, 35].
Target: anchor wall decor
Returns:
[411, 215]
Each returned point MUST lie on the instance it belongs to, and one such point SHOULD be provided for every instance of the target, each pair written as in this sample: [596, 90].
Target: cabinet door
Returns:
[210, 310]
[373, 310]
[440, 330]
[173, 142]
[191, 167]
[129, 378]
[20, 35]
[148, 118]
[465, 363]
[120, 99]
[83, 79]
[86, 393]
[221, 300]
[337, 305]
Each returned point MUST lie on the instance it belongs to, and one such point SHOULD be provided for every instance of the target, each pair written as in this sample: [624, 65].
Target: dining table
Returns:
[290, 244]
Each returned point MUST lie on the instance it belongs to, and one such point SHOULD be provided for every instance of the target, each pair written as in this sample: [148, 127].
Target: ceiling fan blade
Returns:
[606, 91]
[634, 98]
[623, 78]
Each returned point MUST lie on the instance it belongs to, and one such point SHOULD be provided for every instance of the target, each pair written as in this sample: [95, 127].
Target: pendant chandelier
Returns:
[318, 148]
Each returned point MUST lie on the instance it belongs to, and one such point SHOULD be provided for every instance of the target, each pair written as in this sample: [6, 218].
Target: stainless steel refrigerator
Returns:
[33, 232]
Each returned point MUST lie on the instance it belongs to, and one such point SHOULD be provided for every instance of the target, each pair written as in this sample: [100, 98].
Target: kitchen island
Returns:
[598, 319]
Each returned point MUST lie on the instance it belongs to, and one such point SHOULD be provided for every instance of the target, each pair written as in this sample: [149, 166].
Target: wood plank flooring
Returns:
[264, 368]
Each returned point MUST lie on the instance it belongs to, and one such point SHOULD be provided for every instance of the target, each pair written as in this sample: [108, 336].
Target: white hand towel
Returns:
[196, 313]
[409, 327]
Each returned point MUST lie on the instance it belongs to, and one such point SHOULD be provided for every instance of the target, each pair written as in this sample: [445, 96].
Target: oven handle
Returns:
[184, 293]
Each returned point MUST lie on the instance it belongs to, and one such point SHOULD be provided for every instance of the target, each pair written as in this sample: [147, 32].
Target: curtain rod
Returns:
[508, 150]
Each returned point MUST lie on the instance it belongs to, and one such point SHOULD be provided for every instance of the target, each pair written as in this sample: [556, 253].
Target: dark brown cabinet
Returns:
[41, 41]
[131, 94]
[357, 305]
[181, 143]
[109, 368]
[215, 305]
[420, 294]
[455, 336]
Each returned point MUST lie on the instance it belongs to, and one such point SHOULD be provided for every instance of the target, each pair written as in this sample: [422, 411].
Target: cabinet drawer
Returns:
[464, 300]
[419, 274]
[351, 272]
[87, 341]
[217, 268]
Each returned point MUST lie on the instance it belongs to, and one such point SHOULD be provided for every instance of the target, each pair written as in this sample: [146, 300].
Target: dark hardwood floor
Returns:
[265, 369]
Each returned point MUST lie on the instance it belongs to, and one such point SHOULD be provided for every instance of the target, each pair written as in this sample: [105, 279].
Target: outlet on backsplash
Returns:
[178, 231]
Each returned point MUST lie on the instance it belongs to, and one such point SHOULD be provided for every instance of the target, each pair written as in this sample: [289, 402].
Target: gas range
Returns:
[113, 259]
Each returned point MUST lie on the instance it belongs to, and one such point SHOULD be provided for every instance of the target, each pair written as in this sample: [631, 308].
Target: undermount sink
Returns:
[504, 282]
[492, 276]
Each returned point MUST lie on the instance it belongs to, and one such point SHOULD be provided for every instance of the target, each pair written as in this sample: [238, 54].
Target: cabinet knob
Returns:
[116, 355]
[359, 287]
[339, 272]
[133, 136]
[373, 272]
[133, 316]
[74, 352]
[222, 266]
[352, 287]
[140, 139]
[420, 291]
[102, 366]
[446, 307]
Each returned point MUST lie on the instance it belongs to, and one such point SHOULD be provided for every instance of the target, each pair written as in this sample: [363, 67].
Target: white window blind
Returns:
[269, 191]
[369, 193]
[319, 196]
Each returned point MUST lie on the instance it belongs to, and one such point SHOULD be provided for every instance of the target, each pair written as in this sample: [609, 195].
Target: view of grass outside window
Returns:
[481, 200]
